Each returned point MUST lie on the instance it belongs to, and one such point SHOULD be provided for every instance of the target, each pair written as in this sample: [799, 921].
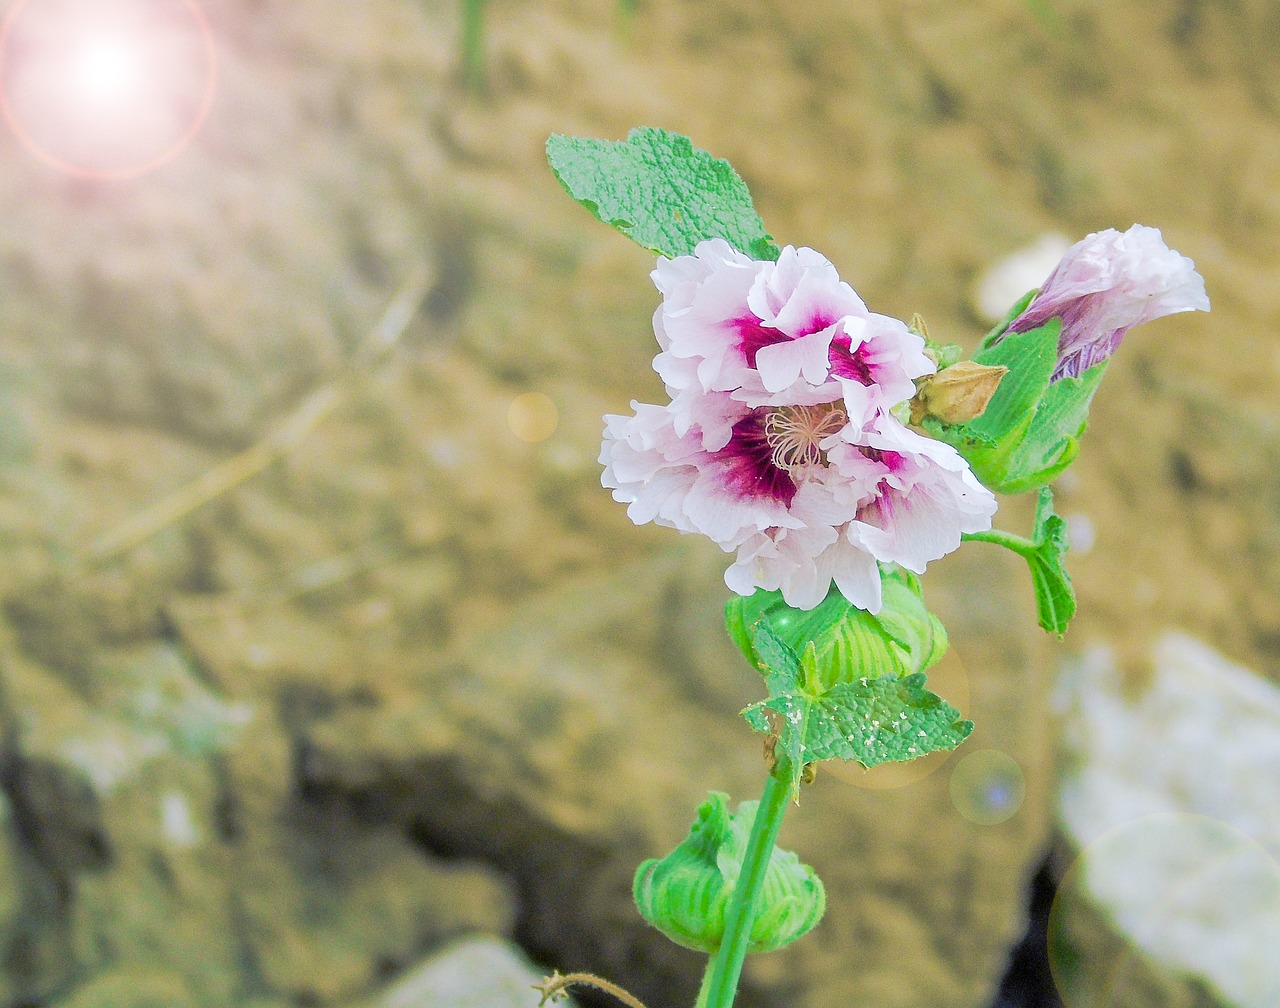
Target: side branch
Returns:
[553, 988]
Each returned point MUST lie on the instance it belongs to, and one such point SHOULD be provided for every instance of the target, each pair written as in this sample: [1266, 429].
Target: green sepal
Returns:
[660, 191]
[1030, 432]
[847, 642]
[1002, 326]
[686, 894]
[1052, 439]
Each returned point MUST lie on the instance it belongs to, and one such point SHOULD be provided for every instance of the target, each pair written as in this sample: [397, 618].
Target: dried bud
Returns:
[957, 394]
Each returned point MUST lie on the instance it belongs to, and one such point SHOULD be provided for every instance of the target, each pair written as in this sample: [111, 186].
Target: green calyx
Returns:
[686, 894]
[1030, 431]
[839, 643]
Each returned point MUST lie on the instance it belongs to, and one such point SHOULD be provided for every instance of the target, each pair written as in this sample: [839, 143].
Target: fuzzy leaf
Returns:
[872, 719]
[660, 191]
[1055, 598]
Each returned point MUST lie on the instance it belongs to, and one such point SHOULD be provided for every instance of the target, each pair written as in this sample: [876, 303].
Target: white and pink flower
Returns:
[1106, 284]
[778, 443]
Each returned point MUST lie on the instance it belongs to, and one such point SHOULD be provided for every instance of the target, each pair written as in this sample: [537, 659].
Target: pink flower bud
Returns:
[1104, 286]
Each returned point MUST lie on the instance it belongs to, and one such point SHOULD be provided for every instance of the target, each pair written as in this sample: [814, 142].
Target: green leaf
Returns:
[872, 721]
[1045, 553]
[818, 706]
[660, 191]
[776, 661]
[1055, 598]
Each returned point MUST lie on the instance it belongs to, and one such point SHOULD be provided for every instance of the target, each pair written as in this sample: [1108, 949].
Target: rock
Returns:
[132, 989]
[167, 819]
[1172, 798]
[476, 971]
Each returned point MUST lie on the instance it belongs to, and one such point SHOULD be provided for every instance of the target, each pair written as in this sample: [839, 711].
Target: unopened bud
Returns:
[686, 894]
[957, 394]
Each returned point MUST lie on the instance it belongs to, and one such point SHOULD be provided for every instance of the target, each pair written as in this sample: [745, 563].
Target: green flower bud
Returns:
[686, 894]
[848, 643]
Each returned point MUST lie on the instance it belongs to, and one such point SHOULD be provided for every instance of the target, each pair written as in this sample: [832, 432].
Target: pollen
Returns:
[794, 433]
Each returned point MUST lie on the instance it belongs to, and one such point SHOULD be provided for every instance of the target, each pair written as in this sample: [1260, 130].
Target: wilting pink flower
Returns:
[1104, 286]
[778, 444]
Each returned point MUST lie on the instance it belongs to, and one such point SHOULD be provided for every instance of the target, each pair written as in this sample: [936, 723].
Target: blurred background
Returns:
[321, 647]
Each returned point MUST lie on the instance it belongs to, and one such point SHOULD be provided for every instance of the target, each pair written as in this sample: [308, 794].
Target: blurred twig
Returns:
[473, 45]
[472, 41]
[313, 410]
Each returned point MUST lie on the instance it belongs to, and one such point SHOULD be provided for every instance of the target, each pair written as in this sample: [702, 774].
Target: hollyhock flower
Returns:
[1104, 286]
[775, 333]
[778, 444]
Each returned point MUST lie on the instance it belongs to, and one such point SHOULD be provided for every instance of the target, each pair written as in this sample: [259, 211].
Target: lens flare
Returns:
[105, 71]
[106, 89]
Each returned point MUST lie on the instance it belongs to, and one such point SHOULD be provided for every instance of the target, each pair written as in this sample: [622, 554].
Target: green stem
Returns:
[1023, 547]
[705, 989]
[473, 44]
[726, 966]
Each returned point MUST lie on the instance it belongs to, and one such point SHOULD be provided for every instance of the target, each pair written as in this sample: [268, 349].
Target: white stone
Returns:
[176, 820]
[1016, 274]
[475, 972]
[1174, 800]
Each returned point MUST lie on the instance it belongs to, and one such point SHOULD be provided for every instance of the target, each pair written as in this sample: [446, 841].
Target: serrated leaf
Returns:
[872, 721]
[1055, 597]
[777, 662]
[660, 191]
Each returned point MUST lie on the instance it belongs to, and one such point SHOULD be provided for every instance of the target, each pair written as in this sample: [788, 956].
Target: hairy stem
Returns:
[705, 989]
[726, 966]
[1023, 547]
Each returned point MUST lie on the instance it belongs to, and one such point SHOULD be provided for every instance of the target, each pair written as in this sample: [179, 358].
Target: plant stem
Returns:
[1023, 547]
[705, 989]
[721, 984]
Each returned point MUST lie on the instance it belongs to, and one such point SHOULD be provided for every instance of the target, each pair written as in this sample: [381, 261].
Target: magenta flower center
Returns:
[793, 434]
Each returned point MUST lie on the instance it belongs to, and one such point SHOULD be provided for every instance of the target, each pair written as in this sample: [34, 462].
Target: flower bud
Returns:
[848, 643]
[686, 894]
[1105, 285]
[1056, 343]
[956, 394]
